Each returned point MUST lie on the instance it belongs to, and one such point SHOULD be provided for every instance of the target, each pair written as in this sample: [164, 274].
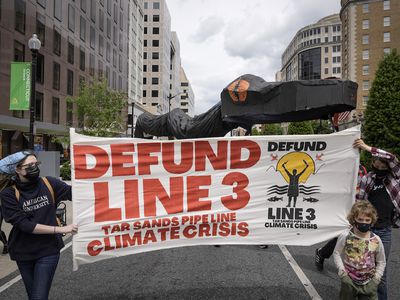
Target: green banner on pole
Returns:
[20, 85]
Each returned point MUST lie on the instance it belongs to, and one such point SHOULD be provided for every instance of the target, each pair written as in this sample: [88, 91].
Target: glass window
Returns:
[39, 106]
[154, 93]
[109, 7]
[386, 37]
[145, 18]
[365, 100]
[100, 70]
[365, 39]
[83, 29]
[108, 52]
[365, 54]
[101, 45]
[155, 55]
[71, 18]
[115, 35]
[146, 5]
[365, 85]
[115, 13]
[58, 10]
[109, 28]
[20, 15]
[42, 3]
[155, 43]
[365, 8]
[326, 49]
[154, 68]
[121, 20]
[145, 30]
[57, 42]
[386, 21]
[83, 5]
[71, 54]
[92, 37]
[156, 5]
[326, 60]
[365, 70]
[55, 116]
[156, 18]
[145, 43]
[69, 116]
[91, 64]
[154, 80]
[93, 10]
[82, 59]
[386, 5]
[19, 51]
[310, 64]
[41, 28]
[120, 63]
[40, 69]
[114, 58]
[386, 51]
[101, 19]
[326, 71]
[70, 82]
[56, 76]
[156, 30]
[365, 24]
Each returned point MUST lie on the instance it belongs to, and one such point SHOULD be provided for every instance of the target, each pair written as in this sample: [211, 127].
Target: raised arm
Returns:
[304, 168]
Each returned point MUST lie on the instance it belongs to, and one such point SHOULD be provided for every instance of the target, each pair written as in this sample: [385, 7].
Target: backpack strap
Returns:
[49, 187]
[17, 194]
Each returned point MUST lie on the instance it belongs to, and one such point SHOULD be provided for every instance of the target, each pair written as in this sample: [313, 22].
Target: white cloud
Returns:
[208, 28]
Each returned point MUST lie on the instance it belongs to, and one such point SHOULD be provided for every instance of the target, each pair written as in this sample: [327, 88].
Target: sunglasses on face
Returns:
[30, 165]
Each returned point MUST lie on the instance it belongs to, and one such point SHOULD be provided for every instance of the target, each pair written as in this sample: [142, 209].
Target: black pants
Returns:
[327, 250]
[3, 237]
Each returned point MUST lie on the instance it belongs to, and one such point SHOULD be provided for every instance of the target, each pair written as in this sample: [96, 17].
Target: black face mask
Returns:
[380, 173]
[363, 227]
[32, 173]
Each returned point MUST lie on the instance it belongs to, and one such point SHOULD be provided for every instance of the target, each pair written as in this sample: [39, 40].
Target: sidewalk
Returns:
[7, 266]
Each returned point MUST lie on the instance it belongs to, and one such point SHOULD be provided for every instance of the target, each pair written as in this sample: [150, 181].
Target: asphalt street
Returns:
[202, 272]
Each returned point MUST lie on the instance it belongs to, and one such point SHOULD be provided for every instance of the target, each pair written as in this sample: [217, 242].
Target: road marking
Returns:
[16, 279]
[300, 274]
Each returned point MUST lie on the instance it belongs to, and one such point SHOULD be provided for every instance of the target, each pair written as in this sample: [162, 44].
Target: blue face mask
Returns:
[363, 227]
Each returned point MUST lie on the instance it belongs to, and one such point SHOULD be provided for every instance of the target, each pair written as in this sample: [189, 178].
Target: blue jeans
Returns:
[37, 275]
[386, 236]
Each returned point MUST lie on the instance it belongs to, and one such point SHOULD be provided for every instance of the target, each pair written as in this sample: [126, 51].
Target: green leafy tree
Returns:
[382, 115]
[321, 127]
[304, 127]
[271, 129]
[99, 109]
[254, 131]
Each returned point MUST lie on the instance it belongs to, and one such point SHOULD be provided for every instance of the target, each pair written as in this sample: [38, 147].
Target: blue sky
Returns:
[223, 39]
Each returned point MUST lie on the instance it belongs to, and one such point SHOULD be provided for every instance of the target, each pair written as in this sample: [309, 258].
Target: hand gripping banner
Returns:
[133, 195]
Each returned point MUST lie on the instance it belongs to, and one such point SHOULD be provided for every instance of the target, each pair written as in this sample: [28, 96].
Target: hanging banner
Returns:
[134, 195]
[20, 85]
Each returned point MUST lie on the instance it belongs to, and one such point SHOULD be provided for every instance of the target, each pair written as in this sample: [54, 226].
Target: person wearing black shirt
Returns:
[30, 206]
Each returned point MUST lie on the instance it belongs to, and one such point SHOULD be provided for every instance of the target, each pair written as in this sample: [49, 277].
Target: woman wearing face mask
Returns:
[35, 239]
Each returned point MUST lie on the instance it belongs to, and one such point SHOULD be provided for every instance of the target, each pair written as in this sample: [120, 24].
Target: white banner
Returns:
[133, 195]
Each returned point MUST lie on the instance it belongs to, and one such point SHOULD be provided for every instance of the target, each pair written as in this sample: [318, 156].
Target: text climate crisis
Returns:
[193, 189]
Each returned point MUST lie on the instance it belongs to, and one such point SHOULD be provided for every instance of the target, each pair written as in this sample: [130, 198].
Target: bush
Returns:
[65, 171]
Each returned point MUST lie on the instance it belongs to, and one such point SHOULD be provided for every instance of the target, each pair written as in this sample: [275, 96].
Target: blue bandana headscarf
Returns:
[9, 163]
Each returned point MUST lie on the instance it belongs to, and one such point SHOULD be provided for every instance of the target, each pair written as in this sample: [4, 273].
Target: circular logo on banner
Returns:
[238, 90]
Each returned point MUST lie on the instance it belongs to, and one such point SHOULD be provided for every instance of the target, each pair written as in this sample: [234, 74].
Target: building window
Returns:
[336, 59]
[156, 5]
[92, 37]
[146, 5]
[336, 48]
[155, 55]
[108, 52]
[336, 70]
[40, 69]
[144, 68]
[115, 14]
[121, 21]
[101, 19]
[121, 41]
[101, 45]
[41, 28]
[154, 93]
[144, 93]
[154, 80]
[145, 30]
[365, 54]
[326, 71]
[386, 37]
[386, 5]
[70, 82]
[56, 76]
[93, 10]
[69, 116]
[100, 70]
[39, 107]
[386, 51]
[108, 28]
[20, 15]
[71, 54]
[144, 80]
[83, 29]
[326, 39]
[115, 35]
[326, 49]
[326, 60]
[58, 10]
[19, 51]
[57, 42]
[71, 17]
[91, 64]
[365, 24]
[55, 116]
[156, 18]
[154, 68]
[82, 58]
[365, 70]
[386, 21]
[120, 63]
[114, 58]
[310, 64]
[365, 100]
[365, 39]
[155, 43]
[365, 85]
[156, 30]
[365, 8]
[109, 7]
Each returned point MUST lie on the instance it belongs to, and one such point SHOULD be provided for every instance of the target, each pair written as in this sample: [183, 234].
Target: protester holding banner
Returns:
[359, 255]
[381, 187]
[3, 237]
[30, 206]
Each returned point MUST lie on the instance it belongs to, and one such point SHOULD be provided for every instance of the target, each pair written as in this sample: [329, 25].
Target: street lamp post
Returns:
[133, 118]
[34, 44]
[172, 97]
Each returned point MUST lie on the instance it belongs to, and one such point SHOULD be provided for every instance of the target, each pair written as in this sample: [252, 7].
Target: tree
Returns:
[304, 127]
[271, 129]
[99, 109]
[321, 127]
[254, 131]
[382, 121]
